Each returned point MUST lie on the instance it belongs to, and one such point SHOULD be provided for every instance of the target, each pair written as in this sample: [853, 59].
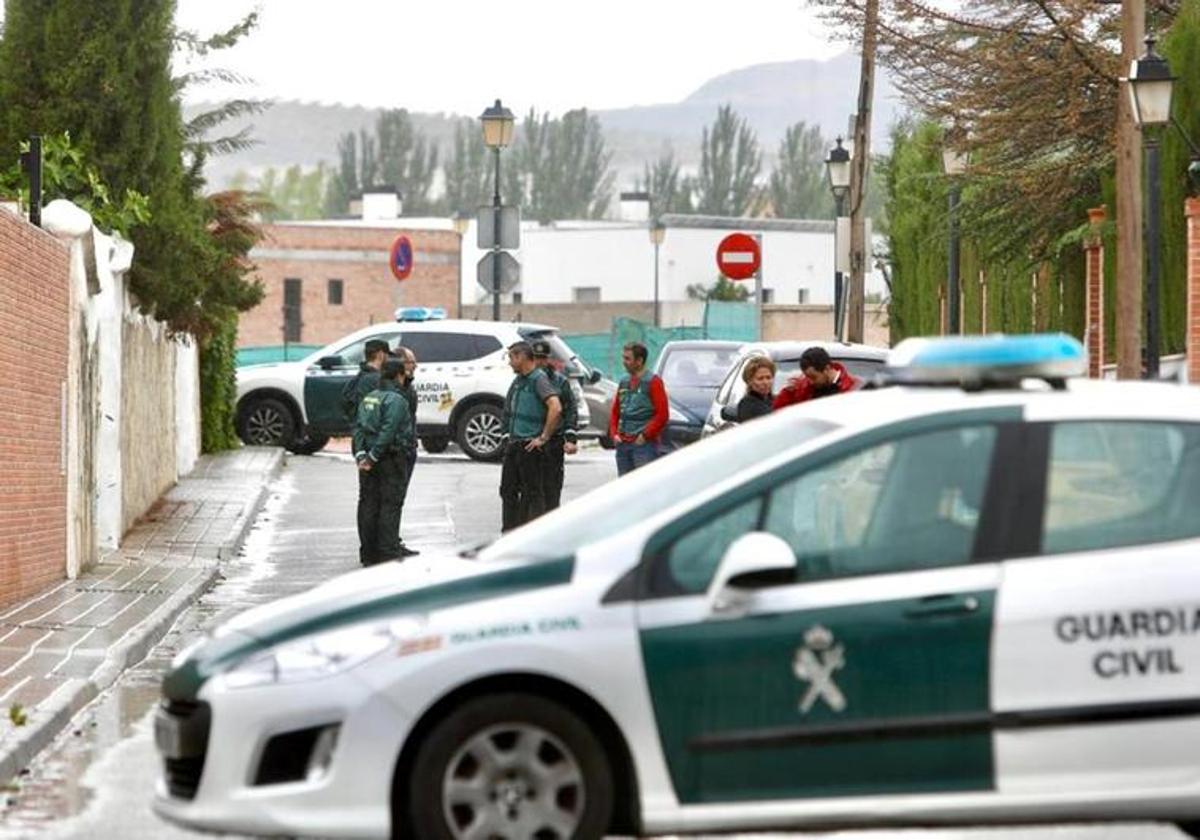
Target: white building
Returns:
[605, 262]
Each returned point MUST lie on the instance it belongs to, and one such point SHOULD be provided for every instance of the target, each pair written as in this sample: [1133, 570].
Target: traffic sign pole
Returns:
[496, 245]
[758, 291]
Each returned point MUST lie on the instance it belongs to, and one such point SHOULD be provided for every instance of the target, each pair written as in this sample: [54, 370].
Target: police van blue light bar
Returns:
[982, 360]
[420, 313]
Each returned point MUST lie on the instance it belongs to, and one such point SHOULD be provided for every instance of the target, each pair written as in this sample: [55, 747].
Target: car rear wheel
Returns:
[308, 444]
[435, 445]
[481, 432]
[266, 422]
[515, 766]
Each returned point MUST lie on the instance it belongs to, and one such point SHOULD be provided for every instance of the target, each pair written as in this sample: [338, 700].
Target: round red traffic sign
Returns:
[738, 256]
[401, 258]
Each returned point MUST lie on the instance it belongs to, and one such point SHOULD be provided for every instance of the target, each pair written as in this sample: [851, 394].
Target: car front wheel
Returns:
[514, 766]
[266, 422]
[481, 432]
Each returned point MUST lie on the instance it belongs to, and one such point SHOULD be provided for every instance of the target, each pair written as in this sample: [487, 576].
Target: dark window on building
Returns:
[518, 297]
[768, 295]
[291, 310]
[335, 292]
[435, 347]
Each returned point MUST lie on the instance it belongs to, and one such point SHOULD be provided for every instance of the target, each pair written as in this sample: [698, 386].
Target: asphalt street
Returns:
[96, 781]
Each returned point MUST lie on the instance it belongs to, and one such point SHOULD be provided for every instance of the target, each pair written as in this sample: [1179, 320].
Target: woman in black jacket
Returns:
[759, 376]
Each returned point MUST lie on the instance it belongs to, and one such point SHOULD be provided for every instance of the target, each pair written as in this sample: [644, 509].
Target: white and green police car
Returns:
[907, 605]
[461, 380]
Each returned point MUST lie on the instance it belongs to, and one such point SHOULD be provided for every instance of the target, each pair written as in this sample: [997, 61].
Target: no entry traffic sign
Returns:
[401, 258]
[738, 256]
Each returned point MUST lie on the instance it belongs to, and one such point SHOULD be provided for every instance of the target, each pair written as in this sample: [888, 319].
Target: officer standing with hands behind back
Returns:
[564, 441]
[532, 411]
[381, 437]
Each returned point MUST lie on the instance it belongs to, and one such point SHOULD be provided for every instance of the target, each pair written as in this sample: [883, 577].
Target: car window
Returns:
[907, 504]
[787, 369]
[435, 347]
[646, 492]
[693, 559]
[352, 354]
[731, 379]
[1112, 484]
[697, 368]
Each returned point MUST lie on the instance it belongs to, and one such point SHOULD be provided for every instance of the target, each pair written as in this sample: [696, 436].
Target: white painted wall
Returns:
[619, 259]
[95, 416]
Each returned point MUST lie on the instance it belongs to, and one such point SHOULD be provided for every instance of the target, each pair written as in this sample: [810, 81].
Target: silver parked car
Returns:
[861, 360]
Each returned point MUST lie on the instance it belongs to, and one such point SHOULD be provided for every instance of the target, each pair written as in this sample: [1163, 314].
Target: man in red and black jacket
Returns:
[639, 413]
[821, 377]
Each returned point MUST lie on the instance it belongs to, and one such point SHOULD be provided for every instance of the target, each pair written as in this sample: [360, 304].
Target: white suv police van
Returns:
[971, 599]
[462, 378]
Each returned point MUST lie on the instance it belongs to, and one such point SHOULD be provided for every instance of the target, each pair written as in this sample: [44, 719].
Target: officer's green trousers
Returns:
[380, 498]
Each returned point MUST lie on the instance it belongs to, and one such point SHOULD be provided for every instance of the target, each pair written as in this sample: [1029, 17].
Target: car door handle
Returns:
[936, 606]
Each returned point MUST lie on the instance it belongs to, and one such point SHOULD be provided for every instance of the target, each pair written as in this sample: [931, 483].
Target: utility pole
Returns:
[859, 169]
[1129, 202]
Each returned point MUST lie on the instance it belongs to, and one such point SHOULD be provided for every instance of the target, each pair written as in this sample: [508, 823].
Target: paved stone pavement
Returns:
[59, 649]
[97, 779]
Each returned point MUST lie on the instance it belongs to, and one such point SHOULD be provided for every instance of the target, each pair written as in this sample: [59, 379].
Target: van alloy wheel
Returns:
[484, 433]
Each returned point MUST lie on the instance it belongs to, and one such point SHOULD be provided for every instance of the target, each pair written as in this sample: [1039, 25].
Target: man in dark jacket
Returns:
[564, 441]
[820, 377]
[532, 411]
[375, 353]
[409, 391]
[381, 437]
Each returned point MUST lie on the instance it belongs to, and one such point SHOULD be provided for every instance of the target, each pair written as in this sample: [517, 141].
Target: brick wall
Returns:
[34, 299]
[358, 256]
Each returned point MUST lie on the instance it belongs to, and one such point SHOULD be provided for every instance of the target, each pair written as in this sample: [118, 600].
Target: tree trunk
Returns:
[1129, 203]
[860, 249]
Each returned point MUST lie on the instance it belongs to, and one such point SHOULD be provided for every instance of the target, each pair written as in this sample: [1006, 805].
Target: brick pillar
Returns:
[982, 303]
[1192, 211]
[1093, 298]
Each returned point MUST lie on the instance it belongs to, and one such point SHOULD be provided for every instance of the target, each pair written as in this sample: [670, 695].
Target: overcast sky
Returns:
[459, 56]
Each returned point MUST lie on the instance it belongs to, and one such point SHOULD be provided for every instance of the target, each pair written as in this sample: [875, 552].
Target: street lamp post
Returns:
[1150, 83]
[954, 161]
[837, 168]
[461, 222]
[497, 124]
[658, 232]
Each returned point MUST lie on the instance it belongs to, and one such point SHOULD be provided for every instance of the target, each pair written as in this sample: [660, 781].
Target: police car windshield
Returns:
[648, 491]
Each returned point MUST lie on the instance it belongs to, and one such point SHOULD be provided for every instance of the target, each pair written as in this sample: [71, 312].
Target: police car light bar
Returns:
[977, 361]
[420, 313]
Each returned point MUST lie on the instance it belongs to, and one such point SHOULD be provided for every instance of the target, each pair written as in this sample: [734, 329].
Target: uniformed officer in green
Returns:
[381, 437]
[565, 438]
[409, 392]
[375, 352]
[532, 411]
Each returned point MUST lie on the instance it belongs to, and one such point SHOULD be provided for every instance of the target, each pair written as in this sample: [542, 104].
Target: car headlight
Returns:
[320, 655]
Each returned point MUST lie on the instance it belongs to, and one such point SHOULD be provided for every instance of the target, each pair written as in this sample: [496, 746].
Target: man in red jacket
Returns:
[822, 377]
[639, 413]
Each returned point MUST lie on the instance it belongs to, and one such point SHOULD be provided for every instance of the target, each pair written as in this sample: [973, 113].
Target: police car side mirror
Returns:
[330, 362]
[751, 561]
[729, 413]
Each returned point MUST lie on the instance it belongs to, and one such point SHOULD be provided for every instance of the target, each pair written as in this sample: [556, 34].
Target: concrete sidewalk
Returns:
[61, 648]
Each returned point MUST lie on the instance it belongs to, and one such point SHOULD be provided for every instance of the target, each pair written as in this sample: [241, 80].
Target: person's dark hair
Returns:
[392, 369]
[815, 358]
[638, 350]
[373, 346]
[521, 348]
[756, 364]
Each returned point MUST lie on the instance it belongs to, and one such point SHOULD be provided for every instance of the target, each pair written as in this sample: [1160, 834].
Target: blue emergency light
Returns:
[420, 313]
[976, 361]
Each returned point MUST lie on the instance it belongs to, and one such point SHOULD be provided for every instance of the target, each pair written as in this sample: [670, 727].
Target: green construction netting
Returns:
[722, 321]
[278, 353]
